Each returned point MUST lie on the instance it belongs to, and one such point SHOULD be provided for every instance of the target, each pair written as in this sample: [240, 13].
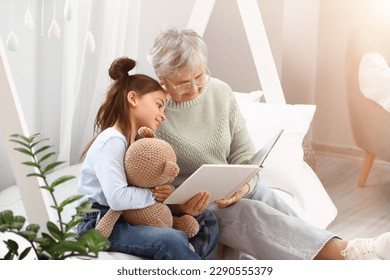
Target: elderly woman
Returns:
[204, 125]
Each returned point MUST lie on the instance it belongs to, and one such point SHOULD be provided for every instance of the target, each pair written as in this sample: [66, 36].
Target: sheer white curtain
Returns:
[85, 74]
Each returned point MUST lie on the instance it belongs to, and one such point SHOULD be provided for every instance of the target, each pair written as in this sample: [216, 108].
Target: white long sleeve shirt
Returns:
[102, 178]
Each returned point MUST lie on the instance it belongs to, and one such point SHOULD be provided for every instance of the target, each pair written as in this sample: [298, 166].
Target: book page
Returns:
[220, 180]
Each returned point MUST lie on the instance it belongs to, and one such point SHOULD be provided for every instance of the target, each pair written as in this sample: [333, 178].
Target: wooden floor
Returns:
[362, 212]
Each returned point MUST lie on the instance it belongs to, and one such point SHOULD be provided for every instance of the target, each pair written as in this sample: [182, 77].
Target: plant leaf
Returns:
[46, 156]
[4, 227]
[50, 189]
[20, 143]
[70, 200]
[61, 180]
[30, 163]
[33, 228]
[39, 141]
[36, 175]
[6, 217]
[25, 253]
[55, 231]
[60, 241]
[29, 235]
[73, 222]
[34, 136]
[44, 148]
[12, 246]
[45, 241]
[71, 234]
[24, 138]
[59, 209]
[94, 241]
[18, 222]
[9, 256]
[85, 207]
[24, 151]
[52, 166]
[70, 246]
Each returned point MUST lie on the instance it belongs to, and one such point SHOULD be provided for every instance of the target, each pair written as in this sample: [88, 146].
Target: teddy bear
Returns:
[149, 162]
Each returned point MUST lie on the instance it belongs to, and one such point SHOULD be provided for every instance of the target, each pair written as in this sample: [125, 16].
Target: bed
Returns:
[299, 186]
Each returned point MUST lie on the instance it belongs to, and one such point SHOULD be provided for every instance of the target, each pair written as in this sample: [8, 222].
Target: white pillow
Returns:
[253, 96]
[283, 167]
[285, 170]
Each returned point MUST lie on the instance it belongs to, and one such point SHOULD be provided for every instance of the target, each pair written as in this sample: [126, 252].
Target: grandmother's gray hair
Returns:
[177, 49]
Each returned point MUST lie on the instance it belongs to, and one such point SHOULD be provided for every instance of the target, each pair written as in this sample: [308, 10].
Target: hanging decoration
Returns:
[89, 41]
[67, 11]
[54, 32]
[28, 19]
[12, 40]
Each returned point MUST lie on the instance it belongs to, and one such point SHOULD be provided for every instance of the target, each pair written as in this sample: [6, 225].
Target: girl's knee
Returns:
[172, 236]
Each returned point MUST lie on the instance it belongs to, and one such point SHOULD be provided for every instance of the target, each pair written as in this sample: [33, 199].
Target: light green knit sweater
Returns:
[208, 129]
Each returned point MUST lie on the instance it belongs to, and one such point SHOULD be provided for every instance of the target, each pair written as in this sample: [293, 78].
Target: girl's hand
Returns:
[196, 205]
[162, 192]
[223, 203]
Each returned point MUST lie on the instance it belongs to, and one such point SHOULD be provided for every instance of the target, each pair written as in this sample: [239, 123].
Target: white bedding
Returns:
[299, 187]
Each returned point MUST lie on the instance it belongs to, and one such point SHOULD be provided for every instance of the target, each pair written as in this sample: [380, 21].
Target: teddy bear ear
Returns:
[146, 132]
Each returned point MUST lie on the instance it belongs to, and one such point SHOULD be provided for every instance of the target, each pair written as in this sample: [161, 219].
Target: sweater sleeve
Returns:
[111, 175]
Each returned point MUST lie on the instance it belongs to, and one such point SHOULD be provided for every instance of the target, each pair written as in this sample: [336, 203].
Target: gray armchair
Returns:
[370, 123]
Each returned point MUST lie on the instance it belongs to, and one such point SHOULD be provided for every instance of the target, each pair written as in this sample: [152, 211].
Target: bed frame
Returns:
[12, 119]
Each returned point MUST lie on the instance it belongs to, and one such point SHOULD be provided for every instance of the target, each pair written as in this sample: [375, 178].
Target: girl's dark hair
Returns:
[116, 107]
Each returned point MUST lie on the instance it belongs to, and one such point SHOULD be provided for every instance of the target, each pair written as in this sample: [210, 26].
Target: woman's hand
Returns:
[196, 205]
[223, 203]
[162, 192]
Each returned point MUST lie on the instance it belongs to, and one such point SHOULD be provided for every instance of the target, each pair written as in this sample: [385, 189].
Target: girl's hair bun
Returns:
[121, 67]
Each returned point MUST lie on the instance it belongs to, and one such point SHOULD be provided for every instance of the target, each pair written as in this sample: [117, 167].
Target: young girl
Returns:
[133, 101]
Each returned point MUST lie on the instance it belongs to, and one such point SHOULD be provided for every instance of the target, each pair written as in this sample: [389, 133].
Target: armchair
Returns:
[370, 122]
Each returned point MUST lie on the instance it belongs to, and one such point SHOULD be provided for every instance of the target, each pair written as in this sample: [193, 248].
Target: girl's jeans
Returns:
[157, 242]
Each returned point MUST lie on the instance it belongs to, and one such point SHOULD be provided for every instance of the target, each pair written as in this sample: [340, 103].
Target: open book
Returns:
[221, 180]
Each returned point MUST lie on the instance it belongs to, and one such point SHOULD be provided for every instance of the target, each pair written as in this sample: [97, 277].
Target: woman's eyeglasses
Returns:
[200, 82]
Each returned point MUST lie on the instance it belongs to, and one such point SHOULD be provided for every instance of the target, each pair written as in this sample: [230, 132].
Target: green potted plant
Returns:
[60, 241]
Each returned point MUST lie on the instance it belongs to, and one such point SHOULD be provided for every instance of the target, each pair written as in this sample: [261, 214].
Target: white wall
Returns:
[22, 62]
[230, 58]
[337, 19]
[313, 52]
[157, 15]
[299, 43]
